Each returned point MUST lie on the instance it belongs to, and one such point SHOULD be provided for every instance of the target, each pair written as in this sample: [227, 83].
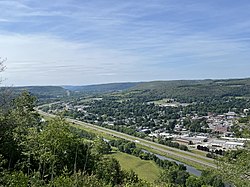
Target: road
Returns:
[173, 152]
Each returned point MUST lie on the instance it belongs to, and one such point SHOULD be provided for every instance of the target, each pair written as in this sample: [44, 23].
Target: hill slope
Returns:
[40, 91]
[197, 88]
[169, 89]
[111, 87]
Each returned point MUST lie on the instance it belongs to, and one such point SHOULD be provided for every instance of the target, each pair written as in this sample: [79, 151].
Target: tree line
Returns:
[173, 173]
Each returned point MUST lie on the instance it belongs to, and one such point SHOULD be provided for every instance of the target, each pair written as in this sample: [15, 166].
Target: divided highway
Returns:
[173, 152]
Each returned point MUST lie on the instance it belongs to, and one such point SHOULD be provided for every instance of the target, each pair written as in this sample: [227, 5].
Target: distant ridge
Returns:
[173, 88]
[39, 91]
[109, 87]
[198, 88]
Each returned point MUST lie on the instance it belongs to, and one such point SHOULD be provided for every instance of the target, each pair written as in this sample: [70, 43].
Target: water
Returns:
[190, 169]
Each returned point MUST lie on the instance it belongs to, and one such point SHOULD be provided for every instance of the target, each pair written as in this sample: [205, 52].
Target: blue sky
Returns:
[79, 42]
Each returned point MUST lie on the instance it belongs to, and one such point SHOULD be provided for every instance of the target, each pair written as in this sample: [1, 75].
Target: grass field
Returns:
[146, 170]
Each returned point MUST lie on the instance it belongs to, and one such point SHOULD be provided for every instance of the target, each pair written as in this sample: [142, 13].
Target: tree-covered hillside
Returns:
[180, 89]
[101, 88]
[41, 92]
[196, 89]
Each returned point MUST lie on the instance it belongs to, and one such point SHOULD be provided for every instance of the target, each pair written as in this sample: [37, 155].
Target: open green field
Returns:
[146, 170]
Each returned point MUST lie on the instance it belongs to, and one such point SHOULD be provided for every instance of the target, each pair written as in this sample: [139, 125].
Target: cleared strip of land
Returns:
[145, 169]
[172, 152]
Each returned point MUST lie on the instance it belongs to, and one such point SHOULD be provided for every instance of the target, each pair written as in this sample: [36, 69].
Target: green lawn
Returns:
[146, 170]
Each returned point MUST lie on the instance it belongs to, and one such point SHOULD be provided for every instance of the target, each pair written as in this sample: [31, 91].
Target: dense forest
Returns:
[184, 90]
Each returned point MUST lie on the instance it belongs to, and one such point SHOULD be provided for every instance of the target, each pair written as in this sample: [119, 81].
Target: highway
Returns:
[173, 152]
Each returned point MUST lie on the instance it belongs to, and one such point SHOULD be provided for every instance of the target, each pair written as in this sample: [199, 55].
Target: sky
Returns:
[81, 42]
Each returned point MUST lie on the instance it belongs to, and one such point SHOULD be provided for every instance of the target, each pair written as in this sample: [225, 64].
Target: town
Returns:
[160, 121]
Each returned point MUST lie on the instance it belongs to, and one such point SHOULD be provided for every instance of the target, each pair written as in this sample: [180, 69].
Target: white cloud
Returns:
[55, 61]
[106, 41]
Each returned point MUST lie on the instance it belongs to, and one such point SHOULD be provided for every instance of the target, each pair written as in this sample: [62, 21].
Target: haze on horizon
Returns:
[74, 42]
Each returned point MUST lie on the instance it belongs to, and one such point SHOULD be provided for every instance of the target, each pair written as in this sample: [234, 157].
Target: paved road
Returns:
[203, 161]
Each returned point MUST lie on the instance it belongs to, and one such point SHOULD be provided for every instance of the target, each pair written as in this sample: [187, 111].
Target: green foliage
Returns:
[193, 182]
[109, 170]
[14, 124]
[101, 147]
[15, 179]
[102, 88]
[78, 179]
[53, 154]
[42, 92]
[235, 167]
[242, 129]
[172, 144]
[211, 178]
[197, 88]
[174, 176]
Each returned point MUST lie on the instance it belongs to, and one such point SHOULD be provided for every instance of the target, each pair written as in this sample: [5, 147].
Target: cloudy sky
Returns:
[79, 42]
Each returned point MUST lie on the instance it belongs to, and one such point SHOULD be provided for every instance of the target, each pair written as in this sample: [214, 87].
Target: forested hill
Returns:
[39, 91]
[197, 88]
[170, 89]
[111, 87]
[175, 88]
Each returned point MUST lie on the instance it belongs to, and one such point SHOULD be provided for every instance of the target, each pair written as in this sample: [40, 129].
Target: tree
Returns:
[82, 180]
[211, 178]
[109, 170]
[14, 124]
[174, 175]
[235, 167]
[101, 147]
[56, 147]
[193, 182]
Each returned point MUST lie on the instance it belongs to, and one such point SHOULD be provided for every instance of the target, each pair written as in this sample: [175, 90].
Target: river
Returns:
[190, 169]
